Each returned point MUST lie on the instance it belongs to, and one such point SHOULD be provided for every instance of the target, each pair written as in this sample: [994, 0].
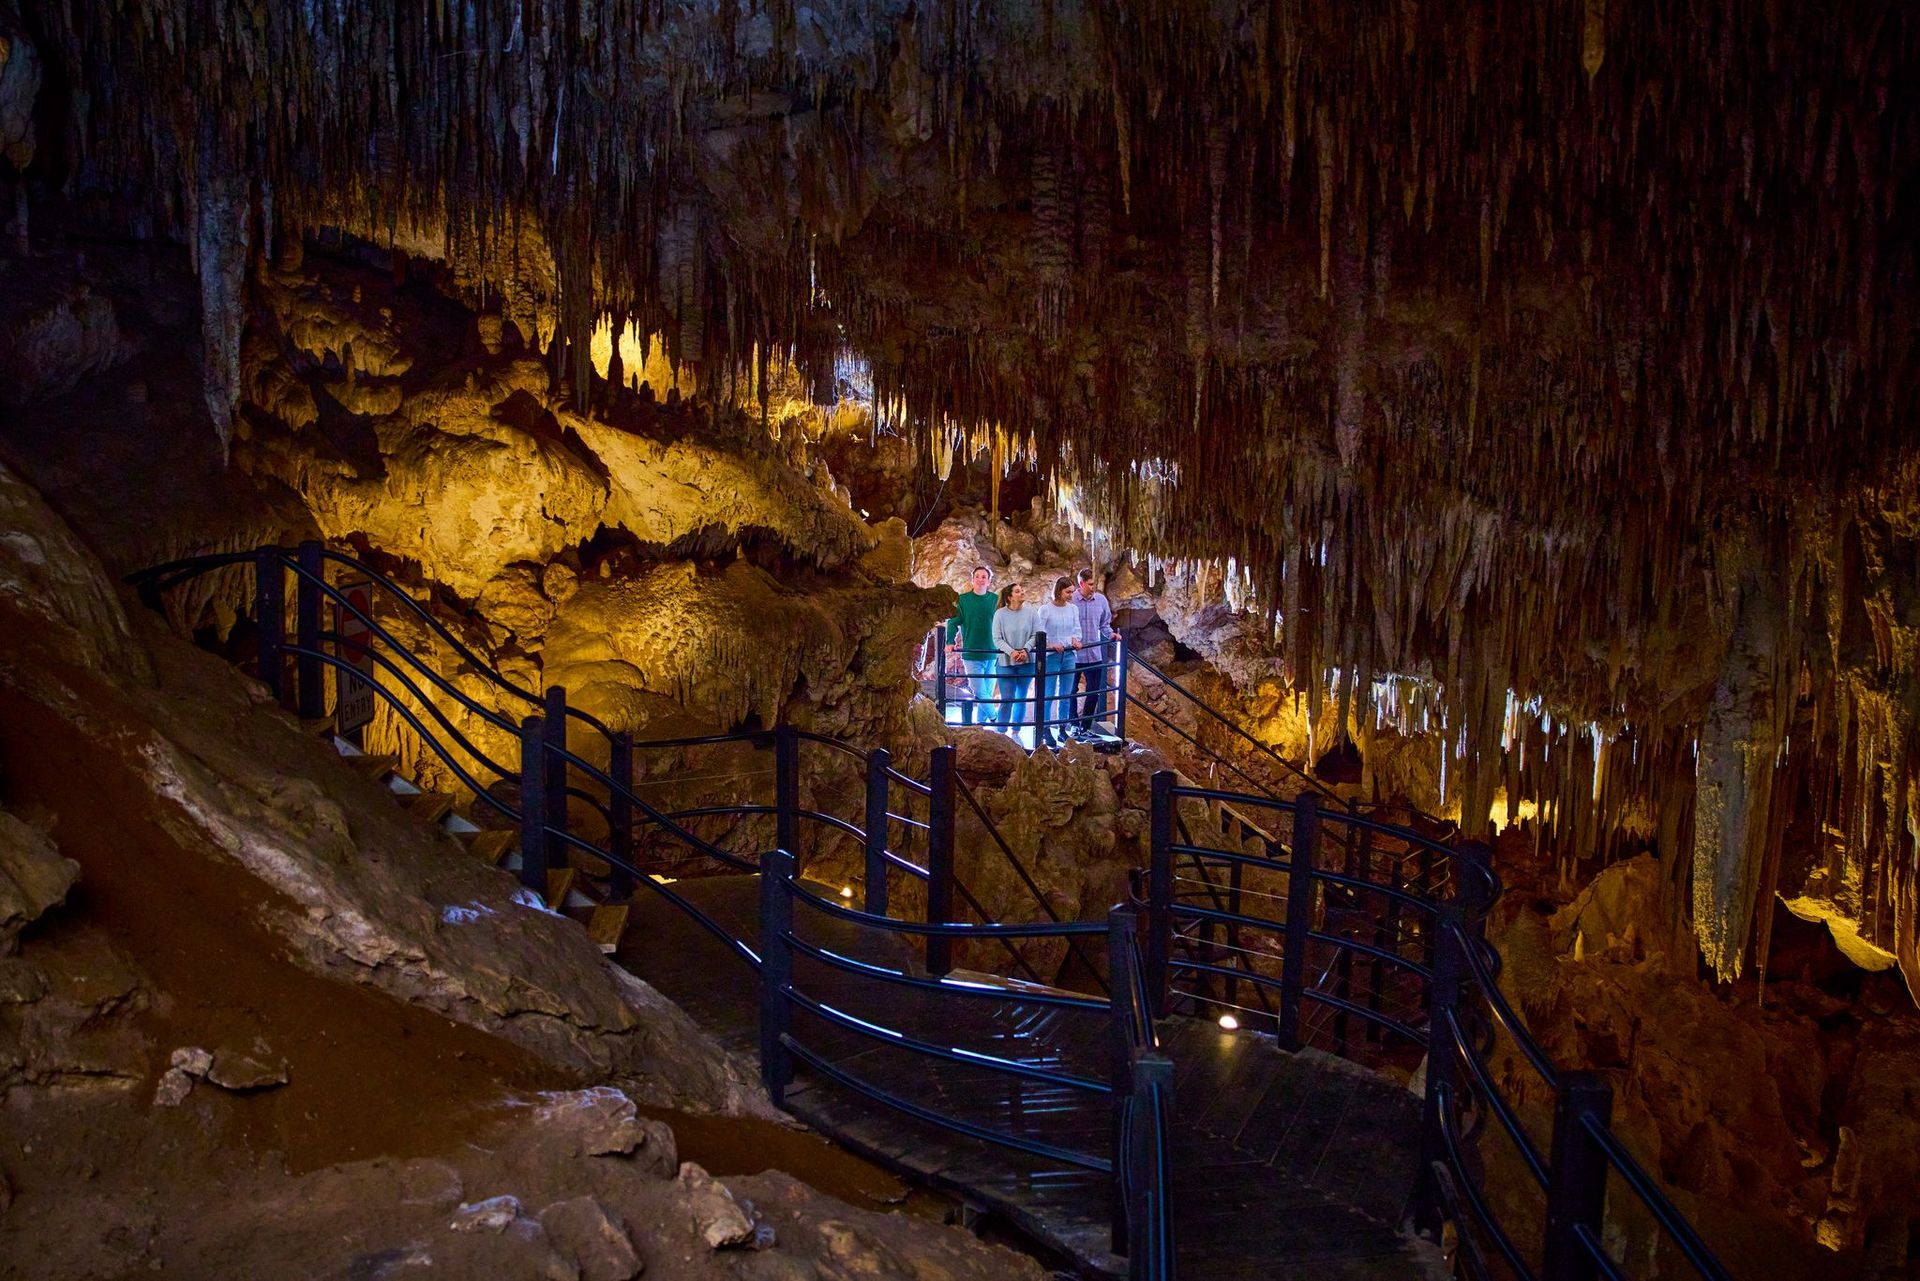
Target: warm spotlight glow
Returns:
[1228, 1022]
[846, 891]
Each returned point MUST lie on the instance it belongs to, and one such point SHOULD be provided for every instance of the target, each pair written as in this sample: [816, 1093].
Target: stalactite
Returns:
[1460, 332]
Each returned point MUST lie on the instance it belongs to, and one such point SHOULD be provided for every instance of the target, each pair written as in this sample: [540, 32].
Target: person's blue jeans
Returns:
[980, 678]
[1016, 682]
[1089, 677]
[1059, 692]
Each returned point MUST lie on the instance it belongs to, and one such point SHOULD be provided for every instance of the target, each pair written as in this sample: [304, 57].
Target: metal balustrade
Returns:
[1295, 901]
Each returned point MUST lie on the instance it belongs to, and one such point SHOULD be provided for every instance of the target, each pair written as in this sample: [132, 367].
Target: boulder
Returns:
[494, 1214]
[1615, 915]
[49, 574]
[34, 877]
[603, 1121]
[253, 1068]
[984, 756]
[594, 1237]
[717, 1217]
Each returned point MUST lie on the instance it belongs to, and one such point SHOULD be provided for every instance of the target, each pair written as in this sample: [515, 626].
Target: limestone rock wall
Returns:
[106, 719]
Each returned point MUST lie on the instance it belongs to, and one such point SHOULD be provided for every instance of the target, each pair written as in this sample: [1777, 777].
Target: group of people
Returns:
[995, 640]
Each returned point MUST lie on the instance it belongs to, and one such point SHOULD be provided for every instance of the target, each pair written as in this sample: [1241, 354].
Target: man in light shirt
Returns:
[1094, 662]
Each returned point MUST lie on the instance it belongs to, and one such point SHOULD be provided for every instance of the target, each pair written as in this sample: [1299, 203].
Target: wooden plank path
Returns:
[1284, 1165]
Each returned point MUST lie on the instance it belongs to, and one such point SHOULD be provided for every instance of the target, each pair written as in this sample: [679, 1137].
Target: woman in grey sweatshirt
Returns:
[1014, 624]
[1060, 623]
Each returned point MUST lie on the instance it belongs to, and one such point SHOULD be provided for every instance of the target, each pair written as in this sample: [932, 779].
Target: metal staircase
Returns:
[1125, 1126]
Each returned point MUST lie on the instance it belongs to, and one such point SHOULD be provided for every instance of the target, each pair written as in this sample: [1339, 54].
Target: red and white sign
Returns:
[353, 696]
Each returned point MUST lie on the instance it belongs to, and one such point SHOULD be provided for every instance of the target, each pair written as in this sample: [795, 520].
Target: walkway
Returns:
[1231, 1159]
[1284, 1164]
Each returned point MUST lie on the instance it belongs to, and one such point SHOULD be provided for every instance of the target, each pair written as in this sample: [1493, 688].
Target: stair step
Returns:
[317, 725]
[606, 925]
[374, 767]
[492, 848]
[429, 807]
[559, 885]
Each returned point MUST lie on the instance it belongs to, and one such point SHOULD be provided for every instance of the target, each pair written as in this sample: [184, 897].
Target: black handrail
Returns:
[1020, 869]
[400, 709]
[1066, 1156]
[1286, 765]
[544, 787]
[1456, 1042]
[735, 945]
[1671, 1222]
[946, 985]
[950, 929]
[970, 1058]
[1497, 1005]
[1458, 982]
[1462, 969]
[1464, 1183]
[465, 744]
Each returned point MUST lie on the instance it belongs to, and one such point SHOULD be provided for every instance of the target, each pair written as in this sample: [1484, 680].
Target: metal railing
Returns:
[1117, 680]
[1454, 1013]
[1142, 1140]
[548, 775]
[1436, 986]
[534, 798]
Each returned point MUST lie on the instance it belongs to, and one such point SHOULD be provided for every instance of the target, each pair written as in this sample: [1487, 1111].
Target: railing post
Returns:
[776, 973]
[940, 672]
[1120, 694]
[620, 817]
[940, 859]
[786, 790]
[1152, 1219]
[312, 696]
[1300, 883]
[879, 761]
[270, 613]
[555, 719]
[1039, 688]
[1160, 890]
[1122, 939]
[1576, 1177]
[1443, 1004]
[533, 804]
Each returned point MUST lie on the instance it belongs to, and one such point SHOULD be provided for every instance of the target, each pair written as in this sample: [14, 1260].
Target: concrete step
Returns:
[429, 807]
[374, 767]
[492, 848]
[606, 926]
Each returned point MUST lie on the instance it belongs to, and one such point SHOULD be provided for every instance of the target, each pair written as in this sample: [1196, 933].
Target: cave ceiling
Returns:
[1563, 347]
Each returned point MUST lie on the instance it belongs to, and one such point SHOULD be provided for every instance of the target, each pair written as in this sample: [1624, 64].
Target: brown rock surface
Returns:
[120, 1194]
[33, 878]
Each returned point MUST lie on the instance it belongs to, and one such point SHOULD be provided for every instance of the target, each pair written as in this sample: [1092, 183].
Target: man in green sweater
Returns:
[970, 632]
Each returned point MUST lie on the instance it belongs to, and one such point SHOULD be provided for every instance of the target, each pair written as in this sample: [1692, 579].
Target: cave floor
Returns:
[1282, 1162]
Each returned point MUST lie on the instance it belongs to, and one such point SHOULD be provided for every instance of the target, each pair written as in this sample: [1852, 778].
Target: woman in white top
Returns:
[1013, 626]
[1060, 621]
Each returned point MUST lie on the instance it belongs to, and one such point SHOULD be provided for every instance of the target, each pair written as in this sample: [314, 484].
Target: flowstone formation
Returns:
[660, 560]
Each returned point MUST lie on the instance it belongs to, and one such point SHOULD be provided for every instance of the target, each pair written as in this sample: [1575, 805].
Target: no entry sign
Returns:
[353, 695]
